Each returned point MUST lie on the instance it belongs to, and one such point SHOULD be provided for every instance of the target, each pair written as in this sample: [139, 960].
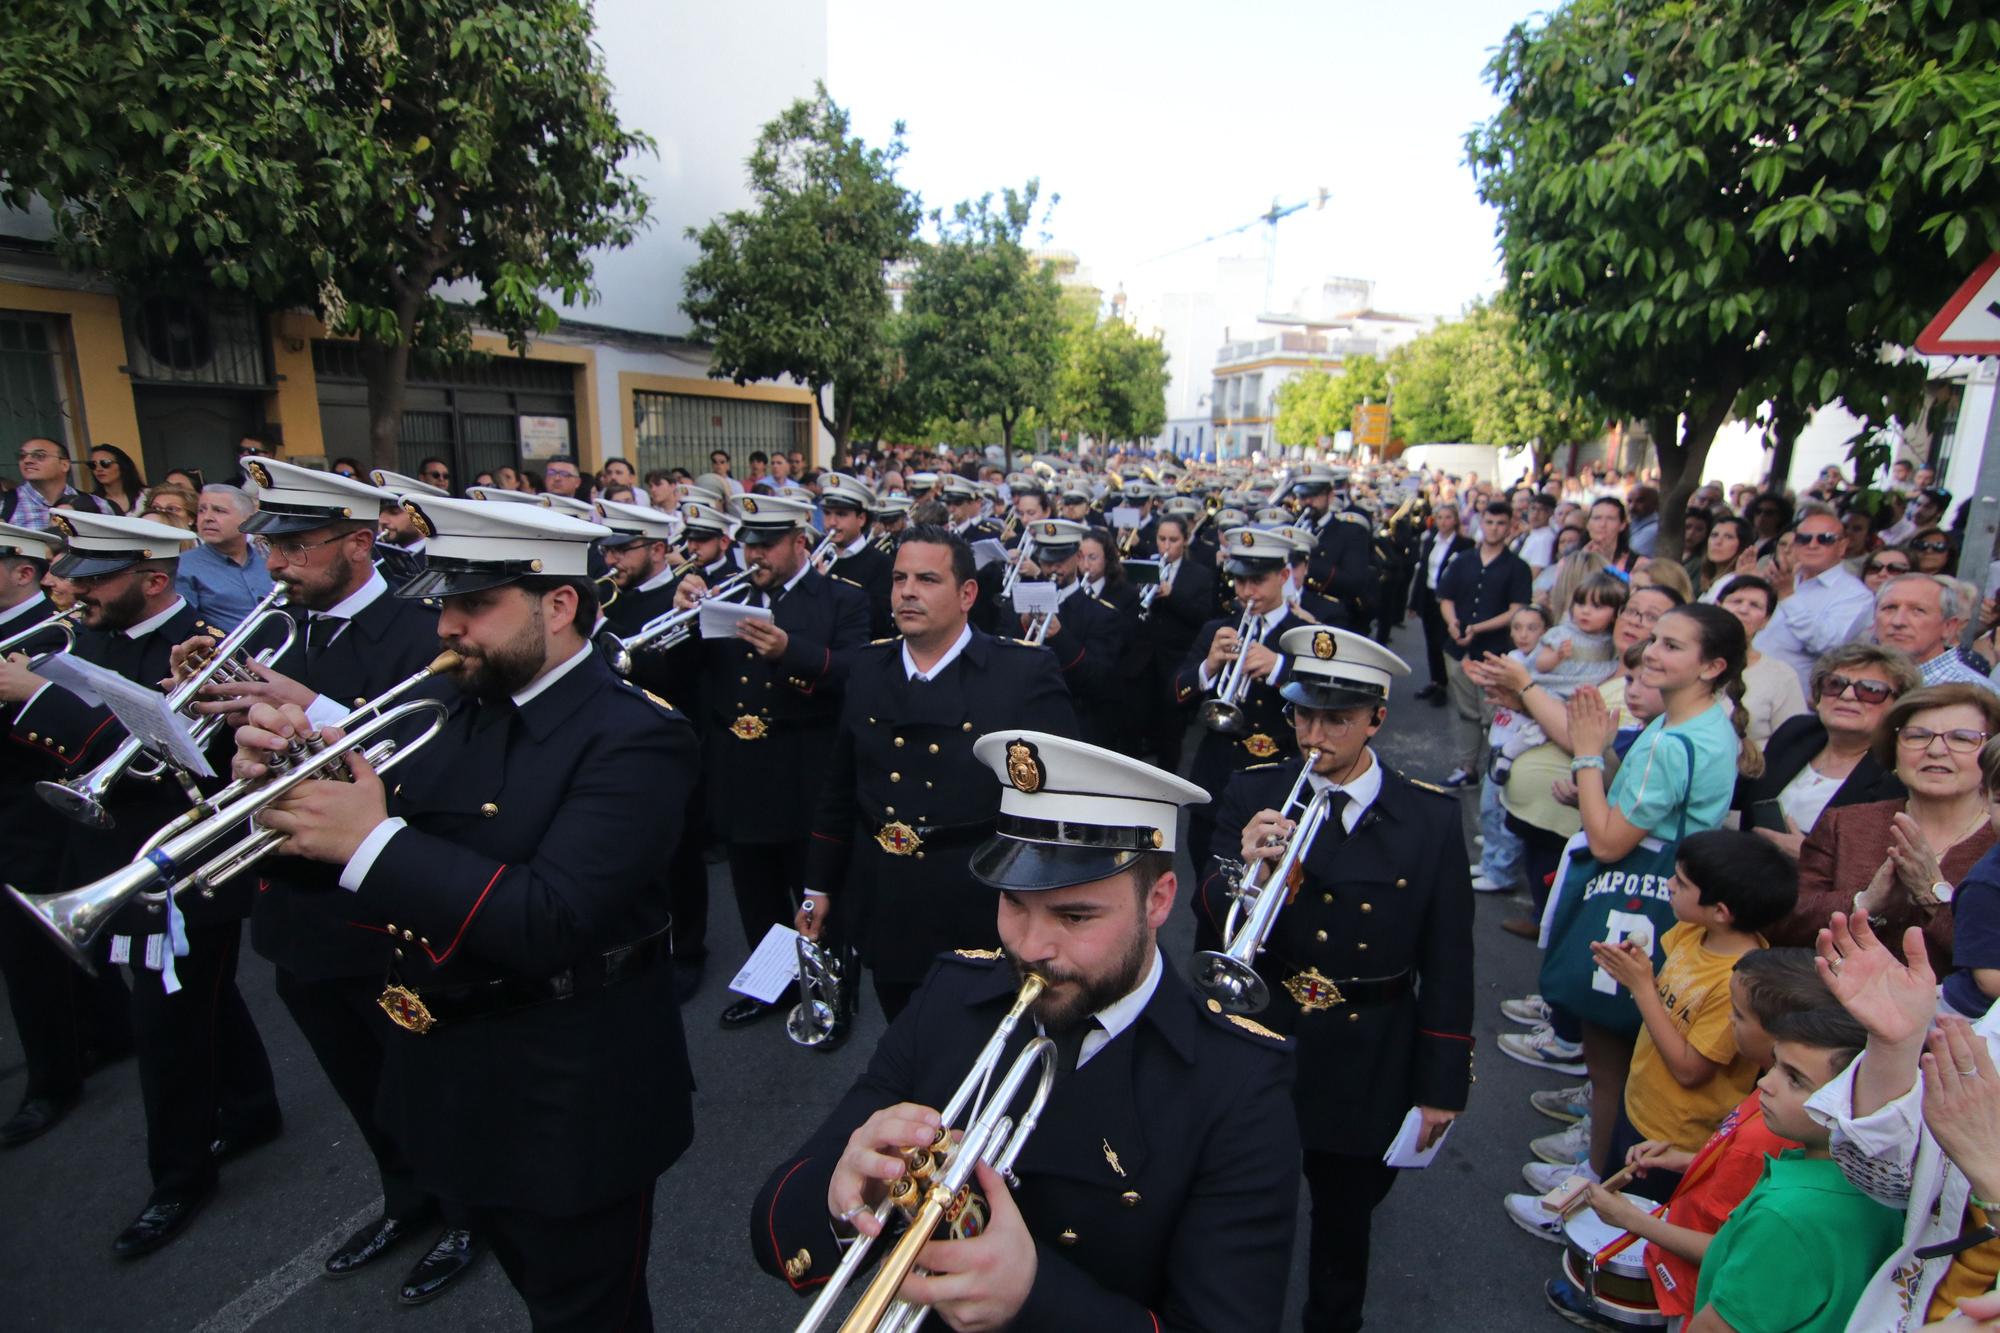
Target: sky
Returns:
[1158, 124]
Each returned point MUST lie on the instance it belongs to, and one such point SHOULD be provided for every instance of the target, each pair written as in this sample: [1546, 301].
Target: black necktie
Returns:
[320, 631]
[1069, 1045]
[1335, 828]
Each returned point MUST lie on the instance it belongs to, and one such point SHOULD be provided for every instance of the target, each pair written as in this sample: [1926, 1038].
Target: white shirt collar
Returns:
[360, 599]
[1063, 593]
[910, 671]
[855, 547]
[1361, 792]
[1121, 1013]
[26, 605]
[661, 579]
[145, 627]
[793, 582]
[550, 677]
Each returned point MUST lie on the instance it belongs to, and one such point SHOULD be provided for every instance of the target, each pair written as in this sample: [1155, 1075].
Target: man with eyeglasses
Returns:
[1923, 615]
[314, 534]
[562, 477]
[436, 472]
[219, 576]
[45, 485]
[1369, 964]
[1828, 605]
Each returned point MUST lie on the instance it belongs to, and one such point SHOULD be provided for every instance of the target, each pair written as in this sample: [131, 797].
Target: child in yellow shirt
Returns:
[1687, 1073]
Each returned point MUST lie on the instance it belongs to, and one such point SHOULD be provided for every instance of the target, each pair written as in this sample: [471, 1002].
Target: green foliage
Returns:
[1113, 382]
[795, 285]
[1317, 405]
[1429, 407]
[983, 320]
[350, 157]
[1709, 204]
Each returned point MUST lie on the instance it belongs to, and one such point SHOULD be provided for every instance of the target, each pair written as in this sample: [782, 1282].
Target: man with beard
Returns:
[538, 1076]
[355, 641]
[203, 1074]
[399, 547]
[1159, 1189]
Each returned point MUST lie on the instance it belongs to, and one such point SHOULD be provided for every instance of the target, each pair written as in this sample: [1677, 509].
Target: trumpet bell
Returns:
[812, 1023]
[1225, 717]
[76, 803]
[1231, 982]
[74, 918]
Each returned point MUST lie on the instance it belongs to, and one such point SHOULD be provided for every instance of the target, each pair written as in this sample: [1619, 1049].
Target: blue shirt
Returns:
[1822, 612]
[1653, 779]
[1975, 934]
[221, 591]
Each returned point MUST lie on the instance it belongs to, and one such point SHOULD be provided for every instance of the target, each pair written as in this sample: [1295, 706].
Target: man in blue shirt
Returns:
[220, 576]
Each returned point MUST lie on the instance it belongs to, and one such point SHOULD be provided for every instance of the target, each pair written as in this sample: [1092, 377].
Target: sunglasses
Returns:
[1877, 567]
[35, 456]
[1932, 547]
[1866, 691]
[1957, 740]
[104, 462]
[1819, 538]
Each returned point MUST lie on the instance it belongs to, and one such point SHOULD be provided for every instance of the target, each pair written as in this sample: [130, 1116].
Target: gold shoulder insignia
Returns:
[877, 643]
[1025, 643]
[1258, 768]
[657, 699]
[1106, 605]
[848, 581]
[1430, 786]
[1252, 1025]
[978, 955]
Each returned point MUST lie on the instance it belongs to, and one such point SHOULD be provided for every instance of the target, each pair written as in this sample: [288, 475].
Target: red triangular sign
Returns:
[1969, 324]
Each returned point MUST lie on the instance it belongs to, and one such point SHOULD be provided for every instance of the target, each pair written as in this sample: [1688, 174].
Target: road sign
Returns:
[1969, 324]
[1371, 426]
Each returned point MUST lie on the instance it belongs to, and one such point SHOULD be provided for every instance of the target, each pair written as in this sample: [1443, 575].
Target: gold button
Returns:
[489, 809]
[1354, 1018]
[871, 721]
[1320, 935]
[934, 748]
[966, 727]
[33, 737]
[889, 810]
[1068, 1237]
[1130, 1198]
[391, 927]
[409, 935]
[920, 856]
[1402, 884]
[927, 785]
[899, 742]
[1326, 897]
[1368, 907]
[1215, 1006]
[895, 777]
[744, 679]
[399, 953]
[421, 940]
[1362, 946]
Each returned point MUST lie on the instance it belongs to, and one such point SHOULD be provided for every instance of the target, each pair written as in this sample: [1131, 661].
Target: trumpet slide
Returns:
[672, 628]
[1224, 713]
[63, 623]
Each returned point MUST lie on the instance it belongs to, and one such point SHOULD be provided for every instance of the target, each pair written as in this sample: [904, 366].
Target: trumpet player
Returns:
[1120, 1218]
[1369, 965]
[848, 504]
[203, 1075]
[536, 1071]
[1254, 562]
[1343, 559]
[59, 1010]
[768, 700]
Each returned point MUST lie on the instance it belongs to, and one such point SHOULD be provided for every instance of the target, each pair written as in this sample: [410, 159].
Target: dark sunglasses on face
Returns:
[1878, 567]
[1866, 691]
[1819, 538]
[1932, 547]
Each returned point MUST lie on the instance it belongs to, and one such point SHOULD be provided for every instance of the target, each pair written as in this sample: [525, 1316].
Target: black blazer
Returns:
[1176, 617]
[1791, 747]
[1421, 596]
[1267, 734]
[31, 834]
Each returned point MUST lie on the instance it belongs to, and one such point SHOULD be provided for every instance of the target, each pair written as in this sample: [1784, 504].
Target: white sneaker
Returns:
[1567, 1105]
[1566, 1148]
[1481, 884]
[1528, 1214]
[1544, 1049]
[1529, 1011]
[1545, 1176]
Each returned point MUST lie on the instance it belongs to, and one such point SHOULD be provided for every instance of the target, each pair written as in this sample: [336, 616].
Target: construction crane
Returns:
[1269, 220]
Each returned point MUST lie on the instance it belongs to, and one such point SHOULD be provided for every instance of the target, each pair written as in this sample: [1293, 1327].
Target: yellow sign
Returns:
[1371, 426]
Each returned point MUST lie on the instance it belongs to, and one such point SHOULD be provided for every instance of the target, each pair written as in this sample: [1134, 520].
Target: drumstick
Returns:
[1622, 1244]
[1564, 1198]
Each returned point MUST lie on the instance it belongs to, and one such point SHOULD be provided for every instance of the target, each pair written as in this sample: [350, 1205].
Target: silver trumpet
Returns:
[939, 1178]
[815, 1019]
[672, 628]
[1022, 554]
[74, 918]
[1224, 713]
[1038, 628]
[83, 798]
[1230, 976]
[62, 622]
[823, 556]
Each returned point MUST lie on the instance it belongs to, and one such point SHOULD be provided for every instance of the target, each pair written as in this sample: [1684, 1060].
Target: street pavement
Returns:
[1445, 1255]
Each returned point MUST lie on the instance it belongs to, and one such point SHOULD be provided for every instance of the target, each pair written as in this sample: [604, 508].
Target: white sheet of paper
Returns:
[141, 711]
[1033, 598]
[1126, 516]
[1403, 1151]
[772, 966]
[75, 675]
[985, 551]
[719, 619]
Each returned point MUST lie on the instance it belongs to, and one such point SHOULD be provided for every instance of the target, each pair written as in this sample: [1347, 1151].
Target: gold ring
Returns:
[1968, 1072]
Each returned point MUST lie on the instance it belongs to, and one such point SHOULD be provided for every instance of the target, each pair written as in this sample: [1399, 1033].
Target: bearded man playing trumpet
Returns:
[1159, 1185]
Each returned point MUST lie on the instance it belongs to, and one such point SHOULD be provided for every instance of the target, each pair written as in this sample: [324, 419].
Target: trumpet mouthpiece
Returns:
[445, 661]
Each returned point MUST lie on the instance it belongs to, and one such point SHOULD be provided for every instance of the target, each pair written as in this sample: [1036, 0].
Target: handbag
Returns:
[1627, 899]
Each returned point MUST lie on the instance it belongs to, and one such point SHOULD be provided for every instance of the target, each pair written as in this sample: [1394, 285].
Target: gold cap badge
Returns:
[62, 525]
[1248, 539]
[1024, 767]
[1323, 646]
[420, 520]
[749, 505]
[258, 473]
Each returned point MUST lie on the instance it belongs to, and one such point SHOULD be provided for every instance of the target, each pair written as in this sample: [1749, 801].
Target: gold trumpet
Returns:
[939, 1178]
[608, 589]
[74, 919]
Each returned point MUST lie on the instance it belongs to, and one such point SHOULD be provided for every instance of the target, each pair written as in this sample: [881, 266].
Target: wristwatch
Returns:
[1941, 891]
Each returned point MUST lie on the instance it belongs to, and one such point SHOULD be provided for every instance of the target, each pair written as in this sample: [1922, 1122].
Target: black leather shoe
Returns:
[745, 1012]
[373, 1241]
[158, 1224]
[1431, 691]
[233, 1145]
[455, 1252]
[36, 1117]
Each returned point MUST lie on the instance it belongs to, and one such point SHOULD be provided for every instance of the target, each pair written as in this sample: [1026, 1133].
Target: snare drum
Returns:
[1620, 1290]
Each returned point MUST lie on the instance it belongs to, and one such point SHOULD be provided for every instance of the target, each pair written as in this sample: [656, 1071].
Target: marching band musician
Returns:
[848, 505]
[1309, 604]
[1370, 964]
[1159, 1190]
[966, 505]
[905, 801]
[538, 1074]
[399, 547]
[892, 516]
[203, 1075]
[60, 1011]
[1255, 562]
[355, 640]
[639, 561]
[1184, 603]
[769, 699]
[1343, 551]
[1087, 634]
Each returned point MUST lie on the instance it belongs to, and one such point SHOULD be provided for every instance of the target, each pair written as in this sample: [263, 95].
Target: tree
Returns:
[352, 158]
[797, 284]
[1113, 382]
[1509, 397]
[1425, 371]
[984, 324]
[1708, 204]
[1318, 405]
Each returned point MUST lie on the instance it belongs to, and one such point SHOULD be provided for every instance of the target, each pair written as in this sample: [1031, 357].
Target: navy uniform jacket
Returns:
[1088, 644]
[1161, 1186]
[1176, 618]
[1130, 709]
[903, 754]
[869, 569]
[400, 564]
[1267, 733]
[666, 674]
[1394, 896]
[531, 848]
[1342, 564]
[768, 727]
[31, 834]
[310, 933]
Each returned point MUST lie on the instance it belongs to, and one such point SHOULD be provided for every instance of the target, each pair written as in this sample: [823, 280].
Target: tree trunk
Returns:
[388, 373]
[1006, 443]
[1786, 423]
[1682, 456]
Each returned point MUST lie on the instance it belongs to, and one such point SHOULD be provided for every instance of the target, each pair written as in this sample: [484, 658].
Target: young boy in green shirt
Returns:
[1795, 1255]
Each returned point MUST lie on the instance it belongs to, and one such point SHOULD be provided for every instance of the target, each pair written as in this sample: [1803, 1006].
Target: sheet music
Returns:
[719, 619]
[771, 968]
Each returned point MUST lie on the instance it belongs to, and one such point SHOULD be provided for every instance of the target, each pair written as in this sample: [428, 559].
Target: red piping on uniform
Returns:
[828, 837]
[1078, 658]
[1445, 1036]
[88, 739]
[1156, 1321]
[771, 1229]
[476, 904]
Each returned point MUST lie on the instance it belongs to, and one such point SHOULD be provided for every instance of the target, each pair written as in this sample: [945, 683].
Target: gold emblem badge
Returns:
[984, 955]
[258, 473]
[799, 1265]
[1247, 539]
[420, 520]
[1323, 646]
[898, 839]
[1024, 769]
[748, 728]
[1313, 992]
[62, 525]
[1260, 745]
[749, 504]
[1252, 1025]
[1111, 1156]
[406, 1009]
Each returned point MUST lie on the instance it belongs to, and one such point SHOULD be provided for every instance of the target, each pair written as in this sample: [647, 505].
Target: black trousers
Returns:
[202, 1067]
[60, 1011]
[1434, 640]
[346, 1029]
[584, 1273]
[1345, 1191]
[769, 878]
[687, 885]
[1201, 838]
[1168, 720]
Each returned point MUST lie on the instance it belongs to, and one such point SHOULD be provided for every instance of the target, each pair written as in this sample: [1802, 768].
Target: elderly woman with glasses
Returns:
[1930, 549]
[1898, 860]
[1885, 564]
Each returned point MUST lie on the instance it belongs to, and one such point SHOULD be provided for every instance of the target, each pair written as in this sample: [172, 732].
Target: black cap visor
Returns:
[1239, 567]
[1027, 867]
[454, 578]
[97, 564]
[750, 536]
[289, 520]
[1315, 692]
